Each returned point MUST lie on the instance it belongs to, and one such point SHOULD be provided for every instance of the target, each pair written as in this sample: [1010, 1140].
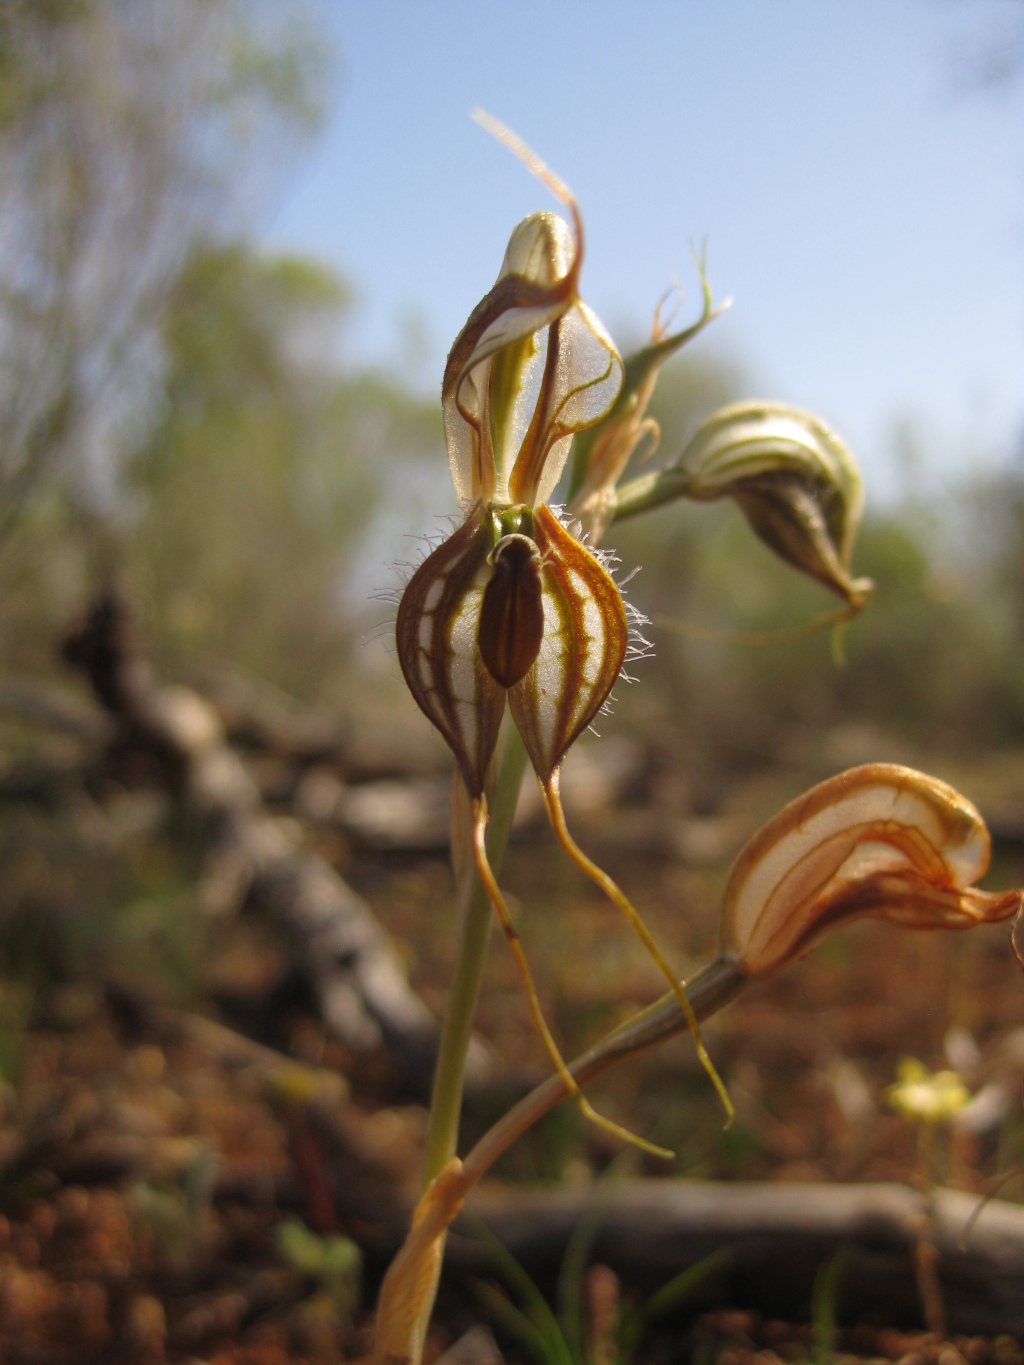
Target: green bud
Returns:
[794, 480]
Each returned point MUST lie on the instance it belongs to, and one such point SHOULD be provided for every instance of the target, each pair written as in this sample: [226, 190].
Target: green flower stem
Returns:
[650, 491]
[470, 957]
[712, 988]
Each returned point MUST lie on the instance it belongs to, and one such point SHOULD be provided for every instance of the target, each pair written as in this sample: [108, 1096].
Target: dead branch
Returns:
[778, 1235]
[352, 970]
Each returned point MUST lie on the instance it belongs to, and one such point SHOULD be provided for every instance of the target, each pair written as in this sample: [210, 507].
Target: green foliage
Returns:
[261, 474]
[334, 1262]
[129, 129]
[562, 1340]
[84, 897]
[823, 1308]
[15, 1006]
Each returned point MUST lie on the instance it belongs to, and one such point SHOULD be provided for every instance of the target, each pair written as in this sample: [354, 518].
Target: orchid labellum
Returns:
[511, 607]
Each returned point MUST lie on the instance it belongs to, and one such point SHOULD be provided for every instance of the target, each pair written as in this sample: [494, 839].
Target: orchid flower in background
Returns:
[511, 607]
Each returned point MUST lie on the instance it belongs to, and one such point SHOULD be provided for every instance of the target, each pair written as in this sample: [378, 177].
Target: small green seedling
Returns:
[334, 1262]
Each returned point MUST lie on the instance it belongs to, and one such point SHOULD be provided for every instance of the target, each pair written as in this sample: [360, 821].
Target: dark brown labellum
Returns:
[512, 612]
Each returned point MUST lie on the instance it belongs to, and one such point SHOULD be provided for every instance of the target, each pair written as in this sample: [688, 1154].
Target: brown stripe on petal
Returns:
[436, 639]
[879, 840]
[581, 653]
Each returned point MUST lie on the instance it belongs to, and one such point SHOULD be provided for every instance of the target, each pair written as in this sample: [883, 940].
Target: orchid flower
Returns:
[511, 608]
[879, 841]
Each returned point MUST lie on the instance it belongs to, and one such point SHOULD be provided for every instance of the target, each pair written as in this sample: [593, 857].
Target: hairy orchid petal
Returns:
[436, 635]
[536, 285]
[880, 840]
[583, 647]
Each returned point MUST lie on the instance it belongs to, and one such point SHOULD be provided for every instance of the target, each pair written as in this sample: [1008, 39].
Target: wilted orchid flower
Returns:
[881, 841]
[511, 607]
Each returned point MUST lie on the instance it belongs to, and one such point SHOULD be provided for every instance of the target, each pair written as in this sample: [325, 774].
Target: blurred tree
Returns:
[263, 469]
[127, 129]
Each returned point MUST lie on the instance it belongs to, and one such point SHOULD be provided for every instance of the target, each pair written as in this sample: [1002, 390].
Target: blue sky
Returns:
[864, 208]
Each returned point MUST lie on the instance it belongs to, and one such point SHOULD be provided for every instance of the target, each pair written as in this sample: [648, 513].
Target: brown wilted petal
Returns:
[881, 841]
[582, 651]
[600, 453]
[1017, 937]
[436, 637]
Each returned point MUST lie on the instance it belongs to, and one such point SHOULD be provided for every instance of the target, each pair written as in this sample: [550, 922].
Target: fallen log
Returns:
[778, 1237]
[352, 971]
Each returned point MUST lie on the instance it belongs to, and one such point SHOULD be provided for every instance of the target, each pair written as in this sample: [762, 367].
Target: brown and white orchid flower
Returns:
[511, 607]
[881, 841]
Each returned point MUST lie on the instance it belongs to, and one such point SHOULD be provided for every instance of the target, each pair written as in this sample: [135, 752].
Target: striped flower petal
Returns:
[436, 635]
[581, 653]
[881, 841]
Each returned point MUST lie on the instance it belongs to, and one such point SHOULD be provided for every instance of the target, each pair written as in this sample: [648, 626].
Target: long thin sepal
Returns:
[617, 896]
[486, 875]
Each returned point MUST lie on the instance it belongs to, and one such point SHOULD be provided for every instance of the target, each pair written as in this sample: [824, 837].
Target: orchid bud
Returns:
[794, 480]
[792, 477]
[601, 453]
[880, 841]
